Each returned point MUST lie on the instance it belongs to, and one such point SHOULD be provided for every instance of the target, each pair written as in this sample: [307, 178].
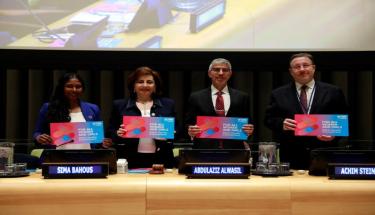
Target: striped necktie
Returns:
[219, 106]
[303, 99]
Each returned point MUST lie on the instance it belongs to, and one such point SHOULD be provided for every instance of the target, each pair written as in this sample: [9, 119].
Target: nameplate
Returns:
[75, 170]
[217, 170]
[351, 171]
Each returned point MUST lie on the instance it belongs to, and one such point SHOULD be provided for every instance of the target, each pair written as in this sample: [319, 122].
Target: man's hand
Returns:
[289, 124]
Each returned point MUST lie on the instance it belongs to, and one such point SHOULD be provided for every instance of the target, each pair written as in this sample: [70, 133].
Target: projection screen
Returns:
[196, 25]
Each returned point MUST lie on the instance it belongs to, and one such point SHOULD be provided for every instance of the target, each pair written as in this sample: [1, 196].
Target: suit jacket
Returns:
[328, 99]
[128, 147]
[200, 104]
[91, 112]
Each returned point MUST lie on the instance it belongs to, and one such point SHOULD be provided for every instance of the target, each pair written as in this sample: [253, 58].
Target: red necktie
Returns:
[219, 106]
[303, 99]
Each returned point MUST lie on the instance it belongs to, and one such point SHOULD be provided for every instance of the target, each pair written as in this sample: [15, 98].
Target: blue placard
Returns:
[93, 133]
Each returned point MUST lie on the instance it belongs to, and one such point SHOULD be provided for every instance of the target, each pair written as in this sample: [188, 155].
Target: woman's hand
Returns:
[44, 139]
[121, 132]
[107, 142]
[248, 129]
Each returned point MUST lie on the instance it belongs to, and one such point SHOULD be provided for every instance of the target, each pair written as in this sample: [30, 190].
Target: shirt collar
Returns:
[309, 85]
[132, 103]
[214, 90]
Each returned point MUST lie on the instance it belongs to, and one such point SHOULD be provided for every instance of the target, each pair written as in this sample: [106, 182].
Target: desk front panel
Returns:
[118, 194]
[177, 195]
[174, 194]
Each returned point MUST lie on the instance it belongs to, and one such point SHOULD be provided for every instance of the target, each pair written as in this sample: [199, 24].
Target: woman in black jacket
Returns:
[146, 101]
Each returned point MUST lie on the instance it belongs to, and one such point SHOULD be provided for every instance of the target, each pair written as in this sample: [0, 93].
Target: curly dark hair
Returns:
[58, 109]
[144, 70]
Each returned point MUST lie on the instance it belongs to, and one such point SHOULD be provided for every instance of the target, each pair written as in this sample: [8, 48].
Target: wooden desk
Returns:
[299, 194]
[119, 194]
[174, 194]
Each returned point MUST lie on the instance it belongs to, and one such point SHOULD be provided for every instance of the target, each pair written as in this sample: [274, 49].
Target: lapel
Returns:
[318, 98]
[86, 112]
[207, 96]
[233, 98]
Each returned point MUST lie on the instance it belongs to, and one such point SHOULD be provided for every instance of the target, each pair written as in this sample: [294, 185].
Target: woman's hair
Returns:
[58, 109]
[141, 71]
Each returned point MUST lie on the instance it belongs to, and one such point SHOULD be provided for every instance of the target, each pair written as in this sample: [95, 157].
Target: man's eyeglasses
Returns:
[304, 66]
[217, 70]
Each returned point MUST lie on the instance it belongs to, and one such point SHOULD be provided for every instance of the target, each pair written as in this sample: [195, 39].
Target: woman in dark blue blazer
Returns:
[145, 100]
[65, 106]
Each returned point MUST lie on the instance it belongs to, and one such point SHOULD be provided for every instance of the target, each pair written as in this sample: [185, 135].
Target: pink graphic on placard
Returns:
[210, 127]
[135, 126]
[62, 133]
[307, 125]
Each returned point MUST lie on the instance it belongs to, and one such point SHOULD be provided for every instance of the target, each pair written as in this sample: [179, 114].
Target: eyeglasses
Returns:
[304, 66]
[217, 70]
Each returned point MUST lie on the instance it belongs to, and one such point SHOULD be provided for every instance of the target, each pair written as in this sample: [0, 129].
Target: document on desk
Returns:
[87, 18]
[120, 12]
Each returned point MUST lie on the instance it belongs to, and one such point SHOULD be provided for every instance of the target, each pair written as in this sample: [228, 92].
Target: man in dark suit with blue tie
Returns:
[302, 96]
[218, 100]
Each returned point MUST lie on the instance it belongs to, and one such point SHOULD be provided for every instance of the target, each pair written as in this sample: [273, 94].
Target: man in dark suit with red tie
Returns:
[218, 100]
[303, 96]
